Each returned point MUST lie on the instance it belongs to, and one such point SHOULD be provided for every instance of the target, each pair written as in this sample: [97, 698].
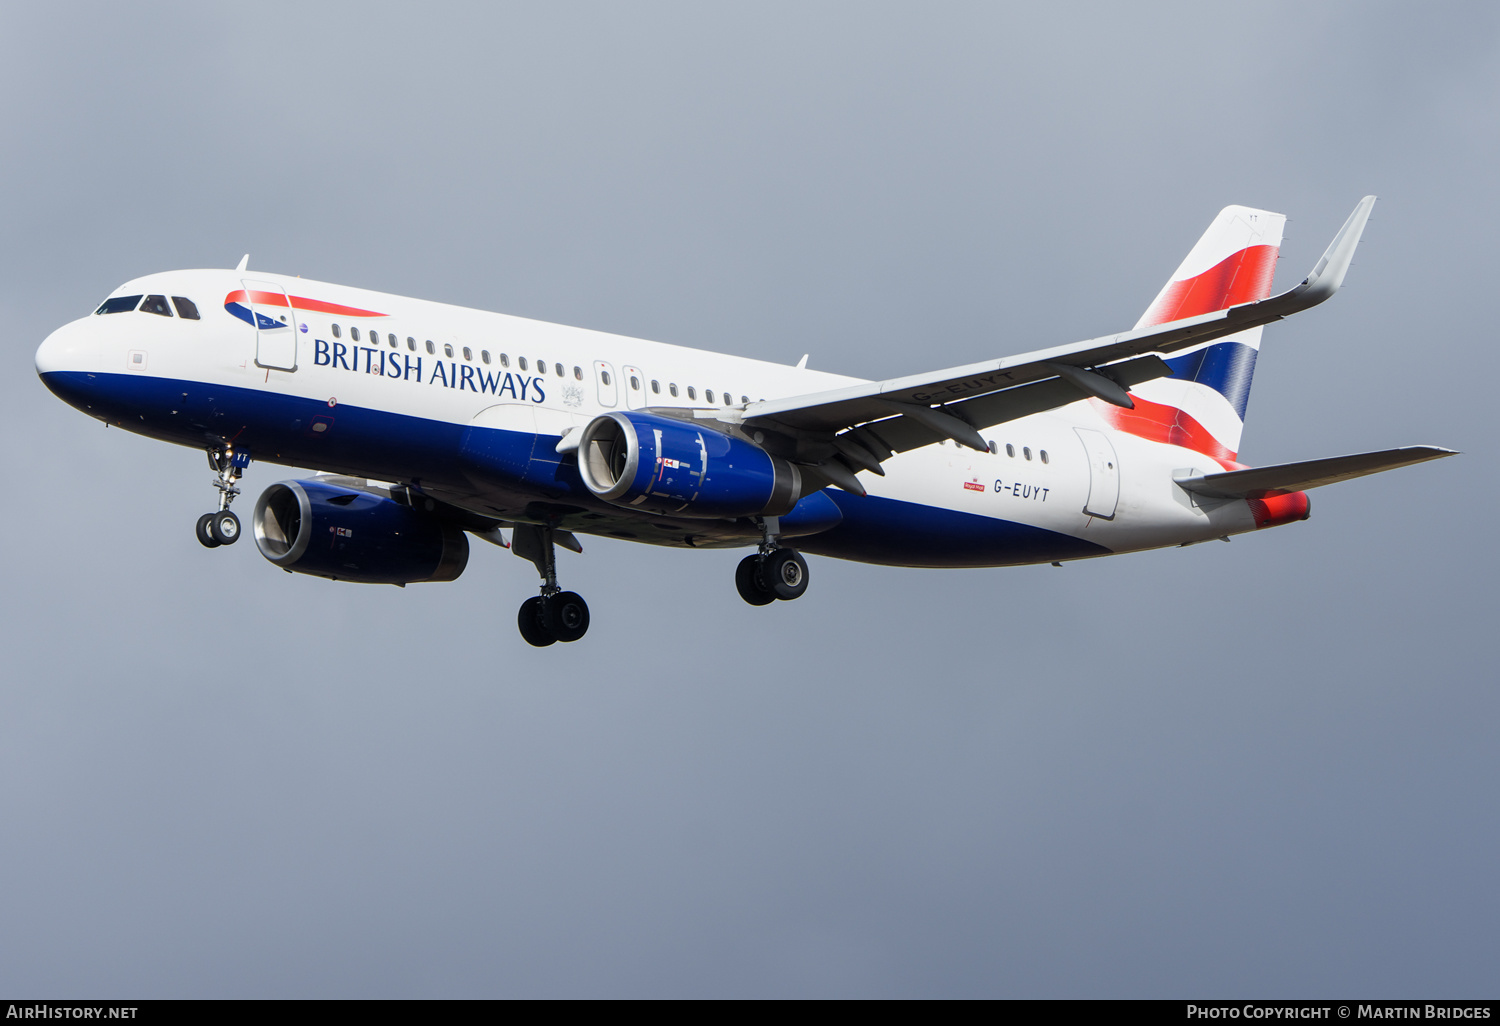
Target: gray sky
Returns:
[1264, 768]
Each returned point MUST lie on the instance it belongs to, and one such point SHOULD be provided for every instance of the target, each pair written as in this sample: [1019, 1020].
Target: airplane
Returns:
[427, 423]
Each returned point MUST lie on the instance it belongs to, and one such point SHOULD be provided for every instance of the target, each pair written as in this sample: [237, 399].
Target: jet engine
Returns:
[329, 529]
[642, 461]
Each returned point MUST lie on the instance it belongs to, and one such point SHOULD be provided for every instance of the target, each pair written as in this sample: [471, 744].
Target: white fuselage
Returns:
[399, 381]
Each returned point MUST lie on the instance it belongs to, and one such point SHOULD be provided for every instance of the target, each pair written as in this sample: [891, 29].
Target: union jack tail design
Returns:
[1202, 406]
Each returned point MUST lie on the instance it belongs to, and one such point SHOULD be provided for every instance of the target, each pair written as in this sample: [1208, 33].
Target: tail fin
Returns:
[1202, 406]
[1231, 264]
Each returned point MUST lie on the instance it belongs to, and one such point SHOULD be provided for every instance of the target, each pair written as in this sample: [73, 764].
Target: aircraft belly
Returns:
[273, 427]
[937, 506]
[876, 529]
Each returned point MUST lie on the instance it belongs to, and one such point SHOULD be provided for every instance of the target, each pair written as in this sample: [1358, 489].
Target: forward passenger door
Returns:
[275, 325]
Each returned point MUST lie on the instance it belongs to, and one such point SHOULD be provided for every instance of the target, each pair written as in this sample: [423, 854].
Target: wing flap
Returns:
[1258, 482]
[840, 408]
[855, 404]
[902, 433]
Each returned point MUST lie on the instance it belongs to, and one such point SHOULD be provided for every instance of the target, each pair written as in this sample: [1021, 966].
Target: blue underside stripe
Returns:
[880, 530]
[511, 469]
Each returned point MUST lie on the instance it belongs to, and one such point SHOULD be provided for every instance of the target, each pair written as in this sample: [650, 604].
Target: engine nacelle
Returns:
[351, 534]
[642, 461]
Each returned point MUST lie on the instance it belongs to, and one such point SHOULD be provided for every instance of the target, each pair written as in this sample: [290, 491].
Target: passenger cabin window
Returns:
[1010, 450]
[120, 304]
[994, 449]
[431, 349]
[656, 387]
[354, 334]
[392, 340]
[604, 376]
[692, 392]
[577, 373]
[504, 360]
[635, 383]
[672, 388]
[521, 362]
[561, 371]
[411, 343]
[186, 308]
[336, 332]
[484, 354]
[1026, 451]
[447, 350]
[468, 353]
[745, 399]
[708, 395]
[1043, 454]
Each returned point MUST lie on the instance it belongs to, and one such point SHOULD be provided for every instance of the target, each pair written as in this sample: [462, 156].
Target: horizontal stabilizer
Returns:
[1259, 482]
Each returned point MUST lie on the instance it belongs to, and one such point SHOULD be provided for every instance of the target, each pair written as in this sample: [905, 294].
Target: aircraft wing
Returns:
[1258, 482]
[865, 424]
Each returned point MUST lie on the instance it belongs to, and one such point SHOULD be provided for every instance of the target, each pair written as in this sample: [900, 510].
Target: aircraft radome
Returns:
[429, 423]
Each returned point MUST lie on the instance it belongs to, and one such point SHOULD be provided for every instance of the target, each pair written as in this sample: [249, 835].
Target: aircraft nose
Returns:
[59, 351]
[46, 355]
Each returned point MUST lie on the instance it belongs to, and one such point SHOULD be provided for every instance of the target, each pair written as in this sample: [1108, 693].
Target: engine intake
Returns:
[643, 461]
[352, 534]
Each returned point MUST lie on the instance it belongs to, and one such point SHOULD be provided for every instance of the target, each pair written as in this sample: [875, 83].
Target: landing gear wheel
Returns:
[748, 580]
[566, 616]
[205, 532]
[530, 622]
[224, 526]
[785, 573]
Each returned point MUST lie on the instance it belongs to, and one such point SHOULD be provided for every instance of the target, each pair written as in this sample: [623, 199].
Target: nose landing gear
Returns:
[554, 615]
[773, 572]
[223, 527]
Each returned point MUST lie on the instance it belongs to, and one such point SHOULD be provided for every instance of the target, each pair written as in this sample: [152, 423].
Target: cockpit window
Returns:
[186, 308]
[119, 304]
[157, 305]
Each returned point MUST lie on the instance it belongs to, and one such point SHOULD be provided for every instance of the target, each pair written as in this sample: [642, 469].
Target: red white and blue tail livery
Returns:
[430, 424]
[1202, 405]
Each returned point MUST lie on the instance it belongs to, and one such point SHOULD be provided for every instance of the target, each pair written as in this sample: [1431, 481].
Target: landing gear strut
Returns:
[773, 572]
[223, 527]
[554, 615]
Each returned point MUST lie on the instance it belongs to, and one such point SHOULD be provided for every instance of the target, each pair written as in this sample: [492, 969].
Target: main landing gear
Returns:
[773, 572]
[223, 527]
[554, 615]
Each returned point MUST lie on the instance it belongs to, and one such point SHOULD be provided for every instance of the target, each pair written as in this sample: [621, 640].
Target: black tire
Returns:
[785, 573]
[224, 526]
[566, 616]
[530, 621]
[748, 580]
[205, 533]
